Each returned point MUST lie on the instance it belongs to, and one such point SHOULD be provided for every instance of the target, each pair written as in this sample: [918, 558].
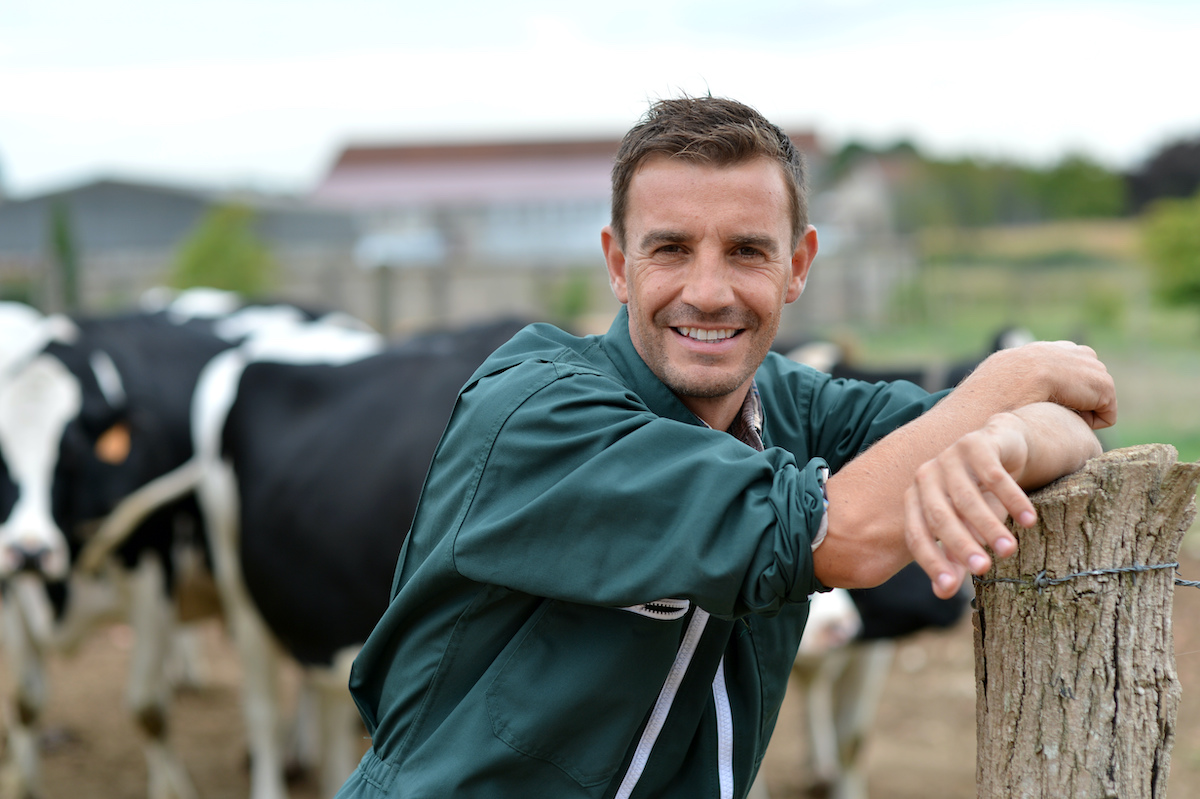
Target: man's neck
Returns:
[717, 412]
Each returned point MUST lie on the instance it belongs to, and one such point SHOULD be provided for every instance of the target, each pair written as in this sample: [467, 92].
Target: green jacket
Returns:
[600, 596]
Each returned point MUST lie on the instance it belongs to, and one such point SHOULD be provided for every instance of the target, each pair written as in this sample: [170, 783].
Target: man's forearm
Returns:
[866, 540]
[865, 543]
[1060, 442]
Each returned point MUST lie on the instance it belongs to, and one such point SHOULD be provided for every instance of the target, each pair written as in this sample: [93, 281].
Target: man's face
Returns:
[706, 268]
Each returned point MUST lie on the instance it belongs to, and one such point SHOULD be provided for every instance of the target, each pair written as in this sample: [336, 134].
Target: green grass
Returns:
[952, 310]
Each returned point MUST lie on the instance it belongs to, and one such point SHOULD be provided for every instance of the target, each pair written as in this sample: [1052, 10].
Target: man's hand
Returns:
[1059, 390]
[957, 505]
[1048, 371]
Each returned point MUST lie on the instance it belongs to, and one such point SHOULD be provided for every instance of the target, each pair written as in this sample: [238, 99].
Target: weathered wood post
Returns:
[1076, 689]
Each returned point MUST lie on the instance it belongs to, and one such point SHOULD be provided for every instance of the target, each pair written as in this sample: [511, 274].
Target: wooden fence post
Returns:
[1076, 689]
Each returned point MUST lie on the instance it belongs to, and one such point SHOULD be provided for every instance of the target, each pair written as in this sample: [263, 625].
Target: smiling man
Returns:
[606, 580]
[709, 265]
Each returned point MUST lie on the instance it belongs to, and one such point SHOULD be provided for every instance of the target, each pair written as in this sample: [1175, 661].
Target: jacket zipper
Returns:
[662, 706]
[662, 609]
[724, 732]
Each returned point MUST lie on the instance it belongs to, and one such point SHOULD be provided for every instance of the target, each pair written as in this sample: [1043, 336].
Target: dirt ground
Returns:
[923, 747]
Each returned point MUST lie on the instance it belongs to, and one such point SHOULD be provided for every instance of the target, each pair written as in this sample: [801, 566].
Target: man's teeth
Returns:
[706, 335]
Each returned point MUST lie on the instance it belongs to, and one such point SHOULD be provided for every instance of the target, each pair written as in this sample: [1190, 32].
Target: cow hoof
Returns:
[57, 739]
[819, 790]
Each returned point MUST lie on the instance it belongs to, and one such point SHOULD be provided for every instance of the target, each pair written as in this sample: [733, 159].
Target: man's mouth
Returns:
[702, 334]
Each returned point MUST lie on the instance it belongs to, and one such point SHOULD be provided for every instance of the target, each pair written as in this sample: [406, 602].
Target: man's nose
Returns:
[709, 284]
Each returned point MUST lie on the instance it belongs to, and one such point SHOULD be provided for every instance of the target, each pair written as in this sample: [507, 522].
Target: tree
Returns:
[1081, 188]
[64, 254]
[1171, 238]
[1174, 171]
[224, 251]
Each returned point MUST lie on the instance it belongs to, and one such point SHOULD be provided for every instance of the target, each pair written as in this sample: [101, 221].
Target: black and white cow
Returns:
[84, 420]
[311, 452]
[830, 357]
[91, 410]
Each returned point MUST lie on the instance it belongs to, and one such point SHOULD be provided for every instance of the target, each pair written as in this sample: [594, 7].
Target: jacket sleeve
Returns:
[580, 493]
[835, 419]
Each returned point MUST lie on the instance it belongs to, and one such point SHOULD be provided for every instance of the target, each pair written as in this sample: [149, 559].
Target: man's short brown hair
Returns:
[707, 130]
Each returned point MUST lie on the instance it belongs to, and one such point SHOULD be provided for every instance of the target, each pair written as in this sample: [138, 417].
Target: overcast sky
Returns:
[264, 93]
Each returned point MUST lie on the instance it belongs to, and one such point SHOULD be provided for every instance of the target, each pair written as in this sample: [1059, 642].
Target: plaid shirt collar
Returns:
[747, 426]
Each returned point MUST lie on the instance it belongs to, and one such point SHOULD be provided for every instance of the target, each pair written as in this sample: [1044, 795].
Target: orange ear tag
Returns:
[113, 444]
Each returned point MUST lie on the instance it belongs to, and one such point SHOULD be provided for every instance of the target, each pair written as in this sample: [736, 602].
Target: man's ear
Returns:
[614, 258]
[802, 258]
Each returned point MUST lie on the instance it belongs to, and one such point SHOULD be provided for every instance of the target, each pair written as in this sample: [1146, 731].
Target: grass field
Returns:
[1084, 282]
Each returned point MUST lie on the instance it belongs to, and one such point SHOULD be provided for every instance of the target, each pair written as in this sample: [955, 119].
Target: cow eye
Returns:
[113, 444]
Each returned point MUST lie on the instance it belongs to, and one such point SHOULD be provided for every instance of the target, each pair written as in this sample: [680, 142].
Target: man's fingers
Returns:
[956, 507]
[1070, 372]
[946, 577]
[974, 500]
[1085, 385]
[951, 516]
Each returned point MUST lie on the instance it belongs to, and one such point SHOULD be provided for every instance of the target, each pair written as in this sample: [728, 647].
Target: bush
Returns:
[225, 252]
[1171, 237]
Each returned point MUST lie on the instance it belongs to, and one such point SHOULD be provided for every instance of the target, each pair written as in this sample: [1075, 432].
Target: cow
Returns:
[90, 410]
[82, 421]
[832, 358]
[311, 451]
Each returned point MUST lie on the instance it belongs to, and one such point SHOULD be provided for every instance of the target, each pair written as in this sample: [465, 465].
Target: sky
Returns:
[263, 94]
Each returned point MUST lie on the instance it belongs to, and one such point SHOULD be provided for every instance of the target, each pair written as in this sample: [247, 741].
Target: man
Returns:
[605, 583]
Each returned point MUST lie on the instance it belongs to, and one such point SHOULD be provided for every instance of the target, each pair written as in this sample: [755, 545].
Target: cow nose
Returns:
[17, 559]
[33, 560]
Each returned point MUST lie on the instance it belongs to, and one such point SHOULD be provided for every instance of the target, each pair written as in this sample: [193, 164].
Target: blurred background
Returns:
[974, 167]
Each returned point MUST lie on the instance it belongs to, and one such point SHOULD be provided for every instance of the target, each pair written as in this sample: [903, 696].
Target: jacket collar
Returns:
[618, 346]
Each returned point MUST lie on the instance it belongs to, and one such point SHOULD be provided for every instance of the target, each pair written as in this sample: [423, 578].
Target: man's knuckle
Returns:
[963, 497]
[992, 474]
[937, 516]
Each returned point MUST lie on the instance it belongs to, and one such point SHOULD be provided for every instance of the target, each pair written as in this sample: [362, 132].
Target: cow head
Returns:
[36, 405]
[67, 447]
[37, 397]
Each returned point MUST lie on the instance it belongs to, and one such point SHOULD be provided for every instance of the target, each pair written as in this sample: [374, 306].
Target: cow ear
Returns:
[113, 444]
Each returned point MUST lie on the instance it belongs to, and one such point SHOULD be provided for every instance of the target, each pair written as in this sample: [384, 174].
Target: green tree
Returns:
[1080, 188]
[65, 254]
[224, 251]
[1171, 236]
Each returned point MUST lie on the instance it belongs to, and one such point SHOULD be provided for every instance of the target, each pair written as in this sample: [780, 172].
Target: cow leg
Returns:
[260, 699]
[92, 601]
[153, 621]
[818, 676]
[26, 618]
[341, 726]
[304, 737]
[195, 599]
[857, 694]
[256, 648]
[186, 664]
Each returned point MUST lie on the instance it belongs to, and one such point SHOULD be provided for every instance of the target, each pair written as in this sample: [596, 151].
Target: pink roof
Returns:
[475, 173]
[469, 174]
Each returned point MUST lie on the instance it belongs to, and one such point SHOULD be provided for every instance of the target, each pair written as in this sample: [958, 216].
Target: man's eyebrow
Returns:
[765, 243]
[653, 238]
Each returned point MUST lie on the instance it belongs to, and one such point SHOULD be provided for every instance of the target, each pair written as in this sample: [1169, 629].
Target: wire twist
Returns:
[1042, 581]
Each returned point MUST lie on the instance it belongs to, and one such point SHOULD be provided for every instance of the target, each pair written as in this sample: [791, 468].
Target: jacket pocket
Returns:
[578, 686]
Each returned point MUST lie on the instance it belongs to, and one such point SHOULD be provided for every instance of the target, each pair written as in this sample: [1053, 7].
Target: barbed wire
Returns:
[1041, 580]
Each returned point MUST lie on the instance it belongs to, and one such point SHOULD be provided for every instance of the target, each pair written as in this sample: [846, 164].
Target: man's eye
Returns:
[748, 252]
